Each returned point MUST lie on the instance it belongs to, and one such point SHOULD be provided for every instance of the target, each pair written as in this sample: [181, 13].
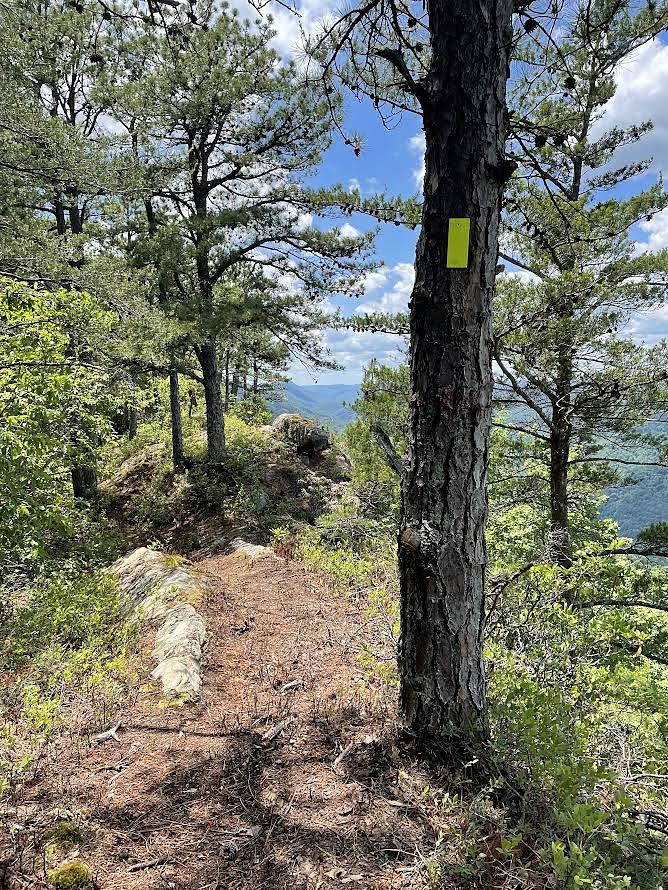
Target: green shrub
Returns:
[253, 410]
[69, 614]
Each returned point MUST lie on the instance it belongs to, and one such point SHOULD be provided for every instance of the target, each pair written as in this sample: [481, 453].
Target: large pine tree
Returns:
[568, 368]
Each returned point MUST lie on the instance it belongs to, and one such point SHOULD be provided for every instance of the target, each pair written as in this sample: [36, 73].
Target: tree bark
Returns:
[559, 538]
[131, 420]
[227, 379]
[215, 417]
[234, 389]
[442, 554]
[84, 481]
[559, 541]
[176, 419]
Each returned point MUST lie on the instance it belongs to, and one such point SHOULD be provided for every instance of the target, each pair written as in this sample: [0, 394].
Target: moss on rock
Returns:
[75, 875]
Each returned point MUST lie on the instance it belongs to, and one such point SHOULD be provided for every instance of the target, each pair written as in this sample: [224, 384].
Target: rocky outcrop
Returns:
[305, 436]
[245, 548]
[161, 591]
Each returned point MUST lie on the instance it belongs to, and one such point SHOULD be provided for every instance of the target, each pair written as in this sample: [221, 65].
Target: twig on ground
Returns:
[150, 863]
[109, 734]
[275, 731]
[344, 753]
[288, 687]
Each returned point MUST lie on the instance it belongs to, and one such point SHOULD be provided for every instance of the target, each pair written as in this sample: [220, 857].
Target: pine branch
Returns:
[386, 446]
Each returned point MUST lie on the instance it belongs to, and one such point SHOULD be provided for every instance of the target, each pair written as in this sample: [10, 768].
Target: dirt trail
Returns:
[243, 789]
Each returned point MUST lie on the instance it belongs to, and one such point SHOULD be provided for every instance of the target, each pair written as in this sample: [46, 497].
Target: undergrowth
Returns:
[577, 718]
[68, 642]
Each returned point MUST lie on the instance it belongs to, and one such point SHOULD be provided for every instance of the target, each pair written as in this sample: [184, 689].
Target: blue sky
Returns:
[391, 161]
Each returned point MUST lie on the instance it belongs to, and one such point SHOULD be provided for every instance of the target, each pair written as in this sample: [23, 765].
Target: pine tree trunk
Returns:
[176, 418]
[131, 415]
[234, 389]
[442, 553]
[559, 540]
[559, 543]
[215, 417]
[227, 379]
[84, 481]
[256, 377]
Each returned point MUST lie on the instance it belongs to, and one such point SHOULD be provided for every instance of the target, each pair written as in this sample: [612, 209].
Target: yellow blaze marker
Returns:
[459, 231]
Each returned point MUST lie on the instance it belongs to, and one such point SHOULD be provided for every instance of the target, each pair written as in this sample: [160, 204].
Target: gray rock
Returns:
[252, 551]
[303, 435]
[156, 591]
[180, 676]
[182, 633]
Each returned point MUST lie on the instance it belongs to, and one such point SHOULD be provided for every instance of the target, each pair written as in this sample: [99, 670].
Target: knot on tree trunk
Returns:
[410, 539]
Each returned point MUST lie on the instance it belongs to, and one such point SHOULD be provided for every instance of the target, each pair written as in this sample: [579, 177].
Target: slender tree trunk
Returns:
[131, 420]
[227, 379]
[84, 481]
[559, 541]
[256, 377]
[177, 419]
[234, 389]
[442, 553]
[215, 417]
[245, 385]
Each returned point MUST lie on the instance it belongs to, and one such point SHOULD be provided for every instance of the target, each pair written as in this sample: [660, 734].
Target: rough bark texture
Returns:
[441, 540]
[84, 481]
[215, 417]
[559, 541]
[132, 421]
[176, 419]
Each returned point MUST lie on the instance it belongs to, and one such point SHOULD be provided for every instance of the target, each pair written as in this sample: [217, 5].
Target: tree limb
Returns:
[386, 446]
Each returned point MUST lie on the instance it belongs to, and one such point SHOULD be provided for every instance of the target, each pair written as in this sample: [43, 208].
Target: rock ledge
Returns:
[159, 590]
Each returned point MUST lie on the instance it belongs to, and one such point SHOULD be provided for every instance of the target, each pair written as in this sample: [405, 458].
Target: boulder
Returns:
[182, 633]
[305, 436]
[279, 481]
[252, 551]
[181, 677]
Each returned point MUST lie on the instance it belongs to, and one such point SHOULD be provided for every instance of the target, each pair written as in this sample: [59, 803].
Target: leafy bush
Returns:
[253, 410]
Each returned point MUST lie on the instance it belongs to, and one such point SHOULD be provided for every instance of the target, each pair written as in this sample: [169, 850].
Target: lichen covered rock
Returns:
[305, 436]
[159, 589]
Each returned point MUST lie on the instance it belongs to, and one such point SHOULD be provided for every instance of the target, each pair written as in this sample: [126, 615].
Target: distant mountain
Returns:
[322, 403]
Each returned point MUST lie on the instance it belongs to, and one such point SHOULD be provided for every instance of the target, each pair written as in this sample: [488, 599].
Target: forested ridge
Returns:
[426, 647]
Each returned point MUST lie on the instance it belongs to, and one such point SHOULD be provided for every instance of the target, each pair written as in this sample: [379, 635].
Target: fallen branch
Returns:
[150, 863]
[344, 753]
[109, 734]
[288, 687]
[275, 731]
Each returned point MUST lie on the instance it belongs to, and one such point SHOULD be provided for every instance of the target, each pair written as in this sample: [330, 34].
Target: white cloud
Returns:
[649, 328]
[395, 299]
[376, 279]
[642, 94]
[348, 231]
[417, 145]
[657, 231]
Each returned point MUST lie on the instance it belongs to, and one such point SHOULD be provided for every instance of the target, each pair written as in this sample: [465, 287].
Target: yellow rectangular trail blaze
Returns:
[458, 243]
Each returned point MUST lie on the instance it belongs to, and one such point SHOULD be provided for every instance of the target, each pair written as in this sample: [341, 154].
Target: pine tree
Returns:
[226, 138]
[445, 65]
[561, 340]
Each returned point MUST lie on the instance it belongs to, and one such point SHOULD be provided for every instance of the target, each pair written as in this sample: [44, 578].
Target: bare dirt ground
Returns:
[283, 775]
